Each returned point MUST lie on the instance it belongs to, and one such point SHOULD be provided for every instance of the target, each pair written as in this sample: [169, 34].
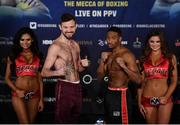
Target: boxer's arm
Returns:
[102, 68]
[130, 67]
[49, 62]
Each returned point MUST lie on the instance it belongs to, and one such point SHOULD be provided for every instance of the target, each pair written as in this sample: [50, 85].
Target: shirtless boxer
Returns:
[64, 56]
[120, 64]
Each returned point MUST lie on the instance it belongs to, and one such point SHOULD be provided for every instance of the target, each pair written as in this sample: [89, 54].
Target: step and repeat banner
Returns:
[135, 17]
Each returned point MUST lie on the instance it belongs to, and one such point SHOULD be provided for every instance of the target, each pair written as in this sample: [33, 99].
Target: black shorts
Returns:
[118, 106]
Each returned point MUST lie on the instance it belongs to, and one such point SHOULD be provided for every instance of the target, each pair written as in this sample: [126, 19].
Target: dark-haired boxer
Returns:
[120, 65]
[64, 56]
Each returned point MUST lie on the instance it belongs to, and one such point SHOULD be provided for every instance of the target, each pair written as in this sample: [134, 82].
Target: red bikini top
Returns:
[160, 70]
[25, 69]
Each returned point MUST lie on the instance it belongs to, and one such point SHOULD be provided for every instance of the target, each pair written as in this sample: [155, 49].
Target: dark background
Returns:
[92, 42]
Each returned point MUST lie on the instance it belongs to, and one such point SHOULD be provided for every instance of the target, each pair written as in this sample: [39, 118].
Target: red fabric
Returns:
[117, 89]
[36, 94]
[124, 108]
[145, 101]
[158, 71]
[68, 104]
[25, 69]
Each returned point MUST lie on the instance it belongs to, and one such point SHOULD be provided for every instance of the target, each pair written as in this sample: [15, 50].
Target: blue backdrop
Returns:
[135, 17]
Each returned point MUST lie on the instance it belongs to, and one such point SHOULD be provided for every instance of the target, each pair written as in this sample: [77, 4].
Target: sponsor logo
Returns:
[156, 71]
[47, 42]
[116, 113]
[6, 40]
[35, 25]
[85, 43]
[106, 79]
[87, 79]
[124, 42]
[102, 43]
[49, 80]
[87, 99]
[49, 99]
[137, 43]
[26, 68]
[177, 43]
[99, 100]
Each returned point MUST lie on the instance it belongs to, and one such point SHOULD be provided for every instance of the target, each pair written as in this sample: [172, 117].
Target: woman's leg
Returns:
[20, 109]
[32, 107]
[164, 113]
[151, 115]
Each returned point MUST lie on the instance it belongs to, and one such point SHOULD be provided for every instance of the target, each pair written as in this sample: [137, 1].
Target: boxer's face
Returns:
[68, 28]
[113, 39]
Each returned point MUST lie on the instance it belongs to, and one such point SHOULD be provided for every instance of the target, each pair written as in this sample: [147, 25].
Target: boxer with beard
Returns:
[64, 56]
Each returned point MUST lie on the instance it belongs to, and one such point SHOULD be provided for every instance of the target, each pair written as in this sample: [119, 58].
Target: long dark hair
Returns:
[165, 51]
[17, 49]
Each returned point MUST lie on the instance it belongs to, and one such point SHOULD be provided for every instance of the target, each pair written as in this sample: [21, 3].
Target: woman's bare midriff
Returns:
[27, 83]
[155, 87]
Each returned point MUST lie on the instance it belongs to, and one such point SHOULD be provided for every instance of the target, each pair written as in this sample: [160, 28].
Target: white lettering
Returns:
[82, 13]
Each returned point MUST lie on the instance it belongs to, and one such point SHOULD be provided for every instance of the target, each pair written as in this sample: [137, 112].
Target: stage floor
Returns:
[7, 115]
